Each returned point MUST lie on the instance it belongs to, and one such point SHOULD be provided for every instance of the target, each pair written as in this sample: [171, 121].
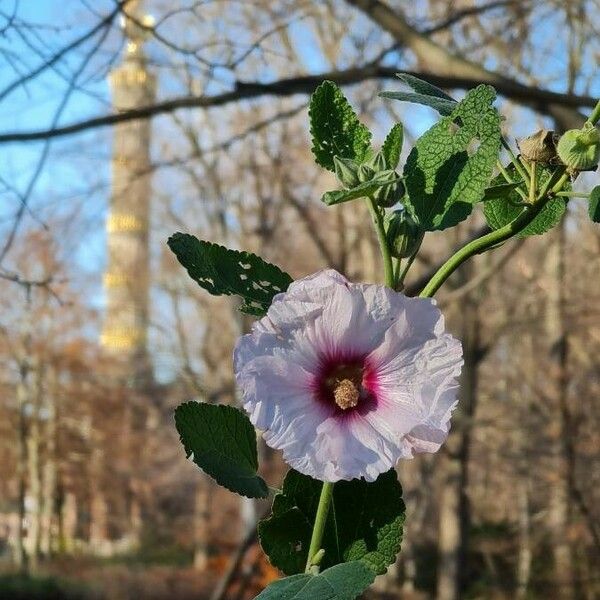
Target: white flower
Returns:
[347, 378]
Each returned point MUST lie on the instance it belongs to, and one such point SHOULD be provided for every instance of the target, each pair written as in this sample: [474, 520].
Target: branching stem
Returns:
[490, 240]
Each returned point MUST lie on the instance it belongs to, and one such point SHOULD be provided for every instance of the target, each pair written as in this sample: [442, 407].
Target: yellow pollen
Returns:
[346, 394]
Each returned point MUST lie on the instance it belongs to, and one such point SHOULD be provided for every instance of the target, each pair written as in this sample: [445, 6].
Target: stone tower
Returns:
[126, 281]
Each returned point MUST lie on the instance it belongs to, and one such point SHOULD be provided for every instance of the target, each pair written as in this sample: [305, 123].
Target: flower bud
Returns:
[403, 234]
[539, 147]
[346, 171]
[365, 173]
[391, 193]
[377, 163]
[579, 149]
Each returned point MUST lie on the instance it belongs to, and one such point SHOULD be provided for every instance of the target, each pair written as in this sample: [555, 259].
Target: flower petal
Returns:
[412, 364]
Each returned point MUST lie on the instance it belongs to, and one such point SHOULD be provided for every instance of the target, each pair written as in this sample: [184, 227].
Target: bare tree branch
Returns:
[465, 13]
[436, 59]
[46, 149]
[104, 23]
[542, 100]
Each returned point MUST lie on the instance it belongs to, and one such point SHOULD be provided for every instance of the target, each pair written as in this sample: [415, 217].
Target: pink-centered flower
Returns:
[348, 378]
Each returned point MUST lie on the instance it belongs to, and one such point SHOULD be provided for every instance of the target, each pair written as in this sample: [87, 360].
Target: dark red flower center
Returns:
[344, 384]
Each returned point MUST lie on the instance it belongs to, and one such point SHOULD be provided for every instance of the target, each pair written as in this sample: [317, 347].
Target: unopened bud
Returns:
[539, 147]
[579, 149]
[403, 234]
[392, 192]
[365, 173]
[346, 171]
[377, 163]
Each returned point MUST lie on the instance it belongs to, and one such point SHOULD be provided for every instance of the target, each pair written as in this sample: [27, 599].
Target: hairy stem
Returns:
[509, 179]
[383, 245]
[399, 281]
[519, 167]
[532, 184]
[319, 527]
[595, 115]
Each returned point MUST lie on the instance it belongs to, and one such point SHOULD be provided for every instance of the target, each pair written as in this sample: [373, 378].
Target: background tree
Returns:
[231, 163]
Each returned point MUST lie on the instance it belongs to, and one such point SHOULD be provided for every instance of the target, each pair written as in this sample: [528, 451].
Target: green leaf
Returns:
[392, 146]
[594, 206]
[335, 128]
[220, 270]
[222, 441]
[364, 523]
[420, 86]
[423, 93]
[360, 191]
[501, 190]
[501, 211]
[342, 582]
[451, 165]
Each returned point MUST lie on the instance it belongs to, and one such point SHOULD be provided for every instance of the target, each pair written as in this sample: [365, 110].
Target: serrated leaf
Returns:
[221, 271]
[501, 211]
[364, 523]
[501, 190]
[392, 146]
[444, 107]
[420, 86]
[335, 128]
[594, 205]
[451, 165]
[423, 93]
[222, 442]
[360, 191]
[342, 582]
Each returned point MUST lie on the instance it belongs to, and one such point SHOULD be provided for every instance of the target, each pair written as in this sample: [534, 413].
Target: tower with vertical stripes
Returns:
[126, 281]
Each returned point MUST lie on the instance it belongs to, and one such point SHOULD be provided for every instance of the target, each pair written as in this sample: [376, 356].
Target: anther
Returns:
[346, 394]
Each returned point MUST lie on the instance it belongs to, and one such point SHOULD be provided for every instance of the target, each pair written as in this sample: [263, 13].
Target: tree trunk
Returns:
[67, 522]
[98, 527]
[202, 520]
[559, 486]
[454, 504]
[34, 472]
[22, 394]
[449, 540]
[524, 557]
[48, 509]
[411, 476]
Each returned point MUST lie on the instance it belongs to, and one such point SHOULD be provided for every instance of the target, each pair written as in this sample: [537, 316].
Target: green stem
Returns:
[397, 269]
[383, 245]
[515, 161]
[320, 520]
[489, 241]
[532, 184]
[551, 182]
[595, 116]
[509, 179]
[573, 194]
[402, 276]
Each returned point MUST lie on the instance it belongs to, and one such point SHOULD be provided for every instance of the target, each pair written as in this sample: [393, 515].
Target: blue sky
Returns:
[81, 162]
[33, 106]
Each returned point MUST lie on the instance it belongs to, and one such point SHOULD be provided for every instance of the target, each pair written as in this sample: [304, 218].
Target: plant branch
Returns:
[383, 244]
[488, 241]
